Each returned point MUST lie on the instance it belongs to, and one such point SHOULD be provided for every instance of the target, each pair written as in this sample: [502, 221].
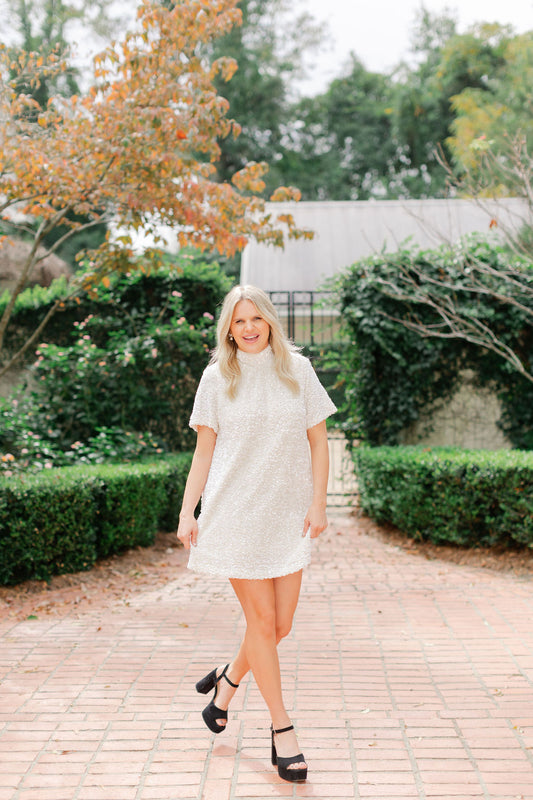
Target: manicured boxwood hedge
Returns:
[62, 520]
[450, 496]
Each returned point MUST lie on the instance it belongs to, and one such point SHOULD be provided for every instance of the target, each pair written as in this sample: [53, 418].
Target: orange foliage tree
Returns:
[139, 149]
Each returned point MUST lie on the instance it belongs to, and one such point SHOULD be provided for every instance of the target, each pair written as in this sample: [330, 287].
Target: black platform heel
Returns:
[283, 762]
[211, 712]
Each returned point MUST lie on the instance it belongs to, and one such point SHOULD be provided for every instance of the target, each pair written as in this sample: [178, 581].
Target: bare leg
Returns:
[287, 592]
[260, 602]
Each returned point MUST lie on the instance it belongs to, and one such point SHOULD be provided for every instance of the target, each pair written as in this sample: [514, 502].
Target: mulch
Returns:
[113, 579]
[517, 561]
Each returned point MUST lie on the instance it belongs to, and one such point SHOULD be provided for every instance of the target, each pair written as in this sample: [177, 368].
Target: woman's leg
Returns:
[286, 593]
[269, 607]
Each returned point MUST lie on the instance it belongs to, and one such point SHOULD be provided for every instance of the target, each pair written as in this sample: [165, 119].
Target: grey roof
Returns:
[348, 231]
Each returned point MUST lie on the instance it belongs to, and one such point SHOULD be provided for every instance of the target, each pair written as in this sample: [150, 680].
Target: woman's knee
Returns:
[283, 628]
[263, 622]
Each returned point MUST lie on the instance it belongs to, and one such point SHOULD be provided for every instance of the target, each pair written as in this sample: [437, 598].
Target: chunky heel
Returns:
[206, 684]
[211, 712]
[284, 762]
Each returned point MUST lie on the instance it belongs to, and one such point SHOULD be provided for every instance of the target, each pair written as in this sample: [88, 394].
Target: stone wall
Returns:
[468, 419]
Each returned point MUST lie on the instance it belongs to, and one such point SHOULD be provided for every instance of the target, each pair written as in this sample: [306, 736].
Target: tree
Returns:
[341, 143]
[459, 299]
[47, 26]
[491, 121]
[424, 112]
[491, 146]
[491, 170]
[269, 48]
[139, 147]
[51, 26]
[487, 156]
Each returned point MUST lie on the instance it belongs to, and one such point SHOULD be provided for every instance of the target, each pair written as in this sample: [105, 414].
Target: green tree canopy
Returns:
[269, 48]
[501, 107]
[341, 145]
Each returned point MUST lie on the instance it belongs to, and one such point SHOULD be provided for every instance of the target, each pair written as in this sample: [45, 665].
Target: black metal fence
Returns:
[312, 322]
[309, 317]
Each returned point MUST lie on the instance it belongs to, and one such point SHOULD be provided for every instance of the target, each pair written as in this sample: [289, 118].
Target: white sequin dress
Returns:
[259, 486]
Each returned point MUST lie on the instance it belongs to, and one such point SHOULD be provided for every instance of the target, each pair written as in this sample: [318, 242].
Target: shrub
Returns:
[117, 379]
[48, 525]
[145, 383]
[30, 445]
[185, 287]
[136, 501]
[392, 374]
[61, 520]
[449, 496]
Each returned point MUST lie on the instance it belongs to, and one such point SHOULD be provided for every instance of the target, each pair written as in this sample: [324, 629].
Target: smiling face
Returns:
[250, 331]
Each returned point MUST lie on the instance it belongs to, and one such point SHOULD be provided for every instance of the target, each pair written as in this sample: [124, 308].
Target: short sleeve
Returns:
[318, 405]
[205, 408]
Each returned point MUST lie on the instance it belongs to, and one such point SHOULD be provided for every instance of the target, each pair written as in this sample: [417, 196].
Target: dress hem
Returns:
[278, 574]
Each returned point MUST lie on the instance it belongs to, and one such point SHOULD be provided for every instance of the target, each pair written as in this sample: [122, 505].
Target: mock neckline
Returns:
[262, 357]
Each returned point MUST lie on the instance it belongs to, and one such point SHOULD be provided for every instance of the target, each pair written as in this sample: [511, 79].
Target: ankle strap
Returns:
[235, 685]
[283, 730]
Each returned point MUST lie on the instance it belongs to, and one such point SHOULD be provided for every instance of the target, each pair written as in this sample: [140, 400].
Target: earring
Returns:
[230, 337]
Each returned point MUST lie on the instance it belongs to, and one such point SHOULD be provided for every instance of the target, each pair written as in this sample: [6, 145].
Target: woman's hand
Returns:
[315, 520]
[188, 531]
[201, 463]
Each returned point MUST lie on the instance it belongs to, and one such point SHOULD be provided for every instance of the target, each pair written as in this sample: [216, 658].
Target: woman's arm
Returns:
[316, 519]
[201, 463]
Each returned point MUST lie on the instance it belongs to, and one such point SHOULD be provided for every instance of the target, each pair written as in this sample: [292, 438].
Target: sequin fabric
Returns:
[259, 485]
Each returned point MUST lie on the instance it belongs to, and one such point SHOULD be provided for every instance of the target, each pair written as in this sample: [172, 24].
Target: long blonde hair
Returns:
[225, 353]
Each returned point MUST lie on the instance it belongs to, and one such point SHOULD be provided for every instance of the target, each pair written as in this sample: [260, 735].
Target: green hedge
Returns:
[62, 520]
[449, 496]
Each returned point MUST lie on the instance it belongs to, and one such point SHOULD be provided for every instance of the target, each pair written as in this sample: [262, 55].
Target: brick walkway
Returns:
[407, 678]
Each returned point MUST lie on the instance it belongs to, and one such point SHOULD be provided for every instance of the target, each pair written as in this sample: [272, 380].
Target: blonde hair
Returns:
[225, 353]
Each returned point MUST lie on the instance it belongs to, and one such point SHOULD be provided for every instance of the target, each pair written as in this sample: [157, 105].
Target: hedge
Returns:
[62, 520]
[449, 496]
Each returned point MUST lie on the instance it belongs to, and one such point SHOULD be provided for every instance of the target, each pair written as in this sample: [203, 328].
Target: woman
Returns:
[261, 466]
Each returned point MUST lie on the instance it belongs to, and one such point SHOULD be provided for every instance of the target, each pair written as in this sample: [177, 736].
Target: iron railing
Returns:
[308, 317]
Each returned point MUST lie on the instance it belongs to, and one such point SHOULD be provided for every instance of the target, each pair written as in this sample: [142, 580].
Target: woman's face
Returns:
[250, 331]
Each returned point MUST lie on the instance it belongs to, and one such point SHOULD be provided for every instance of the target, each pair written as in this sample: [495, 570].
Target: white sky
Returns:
[378, 31]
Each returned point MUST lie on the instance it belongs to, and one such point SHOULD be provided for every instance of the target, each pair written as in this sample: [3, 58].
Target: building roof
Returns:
[348, 231]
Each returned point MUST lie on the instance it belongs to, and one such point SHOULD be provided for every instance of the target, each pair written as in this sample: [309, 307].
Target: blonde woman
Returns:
[261, 467]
